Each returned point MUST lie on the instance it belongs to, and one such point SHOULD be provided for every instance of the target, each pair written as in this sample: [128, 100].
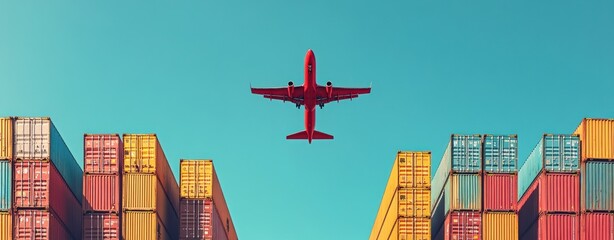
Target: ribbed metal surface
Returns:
[500, 226]
[598, 186]
[98, 226]
[139, 192]
[102, 153]
[6, 226]
[38, 139]
[143, 225]
[597, 226]
[554, 226]
[463, 225]
[463, 192]
[102, 193]
[6, 138]
[553, 153]
[500, 192]
[597, 136]
[500, 153]
[39, 225]
[5, 185]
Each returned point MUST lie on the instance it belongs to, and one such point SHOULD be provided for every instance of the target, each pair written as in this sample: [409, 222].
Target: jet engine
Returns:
[290, 88]
[329, 89]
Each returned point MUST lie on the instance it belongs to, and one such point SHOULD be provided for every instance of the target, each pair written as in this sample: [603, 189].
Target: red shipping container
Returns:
[101, 226]
[549, 193]
[461, 225]
[39, 185]
[555, 226]
[500, 192]
[597, 226]
[102, 153]
[102, 193]
[200, 220]
[39, 225]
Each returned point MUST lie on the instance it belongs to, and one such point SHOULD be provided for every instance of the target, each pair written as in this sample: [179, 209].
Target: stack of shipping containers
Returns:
[405, 210]
[47, 183]
[500, 187]
[457, 190]
[102, 163]
[204, 213]
[150, 194]
[549, 189]
[597, 185]
[6, 157]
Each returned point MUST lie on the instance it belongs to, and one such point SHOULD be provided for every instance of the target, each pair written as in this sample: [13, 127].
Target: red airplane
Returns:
[310, 95]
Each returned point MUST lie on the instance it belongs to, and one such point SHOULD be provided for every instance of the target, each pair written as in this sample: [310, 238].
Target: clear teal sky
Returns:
[182, 69]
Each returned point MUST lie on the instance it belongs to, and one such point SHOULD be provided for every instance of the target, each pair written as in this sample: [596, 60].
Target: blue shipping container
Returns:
[553, 153]
[463, 192]
[500, 153]
[598, 186]
[5, 185]
[38, 139]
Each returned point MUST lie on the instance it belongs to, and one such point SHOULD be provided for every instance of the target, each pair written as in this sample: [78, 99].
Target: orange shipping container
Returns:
[198, 179]
[143, 154]
[596, 138]
[6, 138]
[6, 227]
[500, 226]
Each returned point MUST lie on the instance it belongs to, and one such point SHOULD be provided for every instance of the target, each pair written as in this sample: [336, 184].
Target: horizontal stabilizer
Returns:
[303, 135]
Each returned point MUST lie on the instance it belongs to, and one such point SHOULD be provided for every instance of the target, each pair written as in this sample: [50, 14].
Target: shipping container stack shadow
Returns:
[597, 178]
[500, 187]
[103, 164]
[549, 190]
[204, 214]
[6, 182]
[150, 193]
[456, 198]
[404, 212]
[47, 183]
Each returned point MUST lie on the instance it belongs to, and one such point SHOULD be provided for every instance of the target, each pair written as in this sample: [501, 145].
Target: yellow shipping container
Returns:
[411, 170]
[143, 225]
[5, 226]
[140, 152]
[499, 226]
[6, 138]
[139, 191]
[409, 229]
[597, 138]
[196, 178]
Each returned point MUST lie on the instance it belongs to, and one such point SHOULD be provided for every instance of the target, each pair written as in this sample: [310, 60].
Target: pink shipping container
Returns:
[102, 193]
[39, 185]
[549, 193]
[554, 227]
[461, 225]
[500, 192]
[102, 153]
[200, 220]
[597, 226]
[39, 225]
[97, 226]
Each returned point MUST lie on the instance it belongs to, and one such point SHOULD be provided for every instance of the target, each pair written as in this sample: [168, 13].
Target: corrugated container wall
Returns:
[499, 226]
[39, 185]
[500, 192]
[143, 154]
[598, 186]
[6, 138]
[200, 220]
[198, 179]
[144, 225]
[555, 227]
[463, 192]
[463, 225]
[102, 153]
[462, 155]
[102, 193]
[38, 139]
[6, 227]
[5, 185]
[500, 153]
[40, 225]
[553, 153]
[410, 229]
[597, 226]
[98, 226]
[597, 136]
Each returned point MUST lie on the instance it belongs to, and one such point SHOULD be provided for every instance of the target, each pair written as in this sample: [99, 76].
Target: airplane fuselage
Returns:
[310, 87]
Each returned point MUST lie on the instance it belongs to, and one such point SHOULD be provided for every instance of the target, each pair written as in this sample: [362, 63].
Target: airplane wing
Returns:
[328, 94]
[294, 95]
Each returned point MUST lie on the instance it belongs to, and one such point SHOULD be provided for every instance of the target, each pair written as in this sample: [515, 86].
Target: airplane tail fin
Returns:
[303, 135]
